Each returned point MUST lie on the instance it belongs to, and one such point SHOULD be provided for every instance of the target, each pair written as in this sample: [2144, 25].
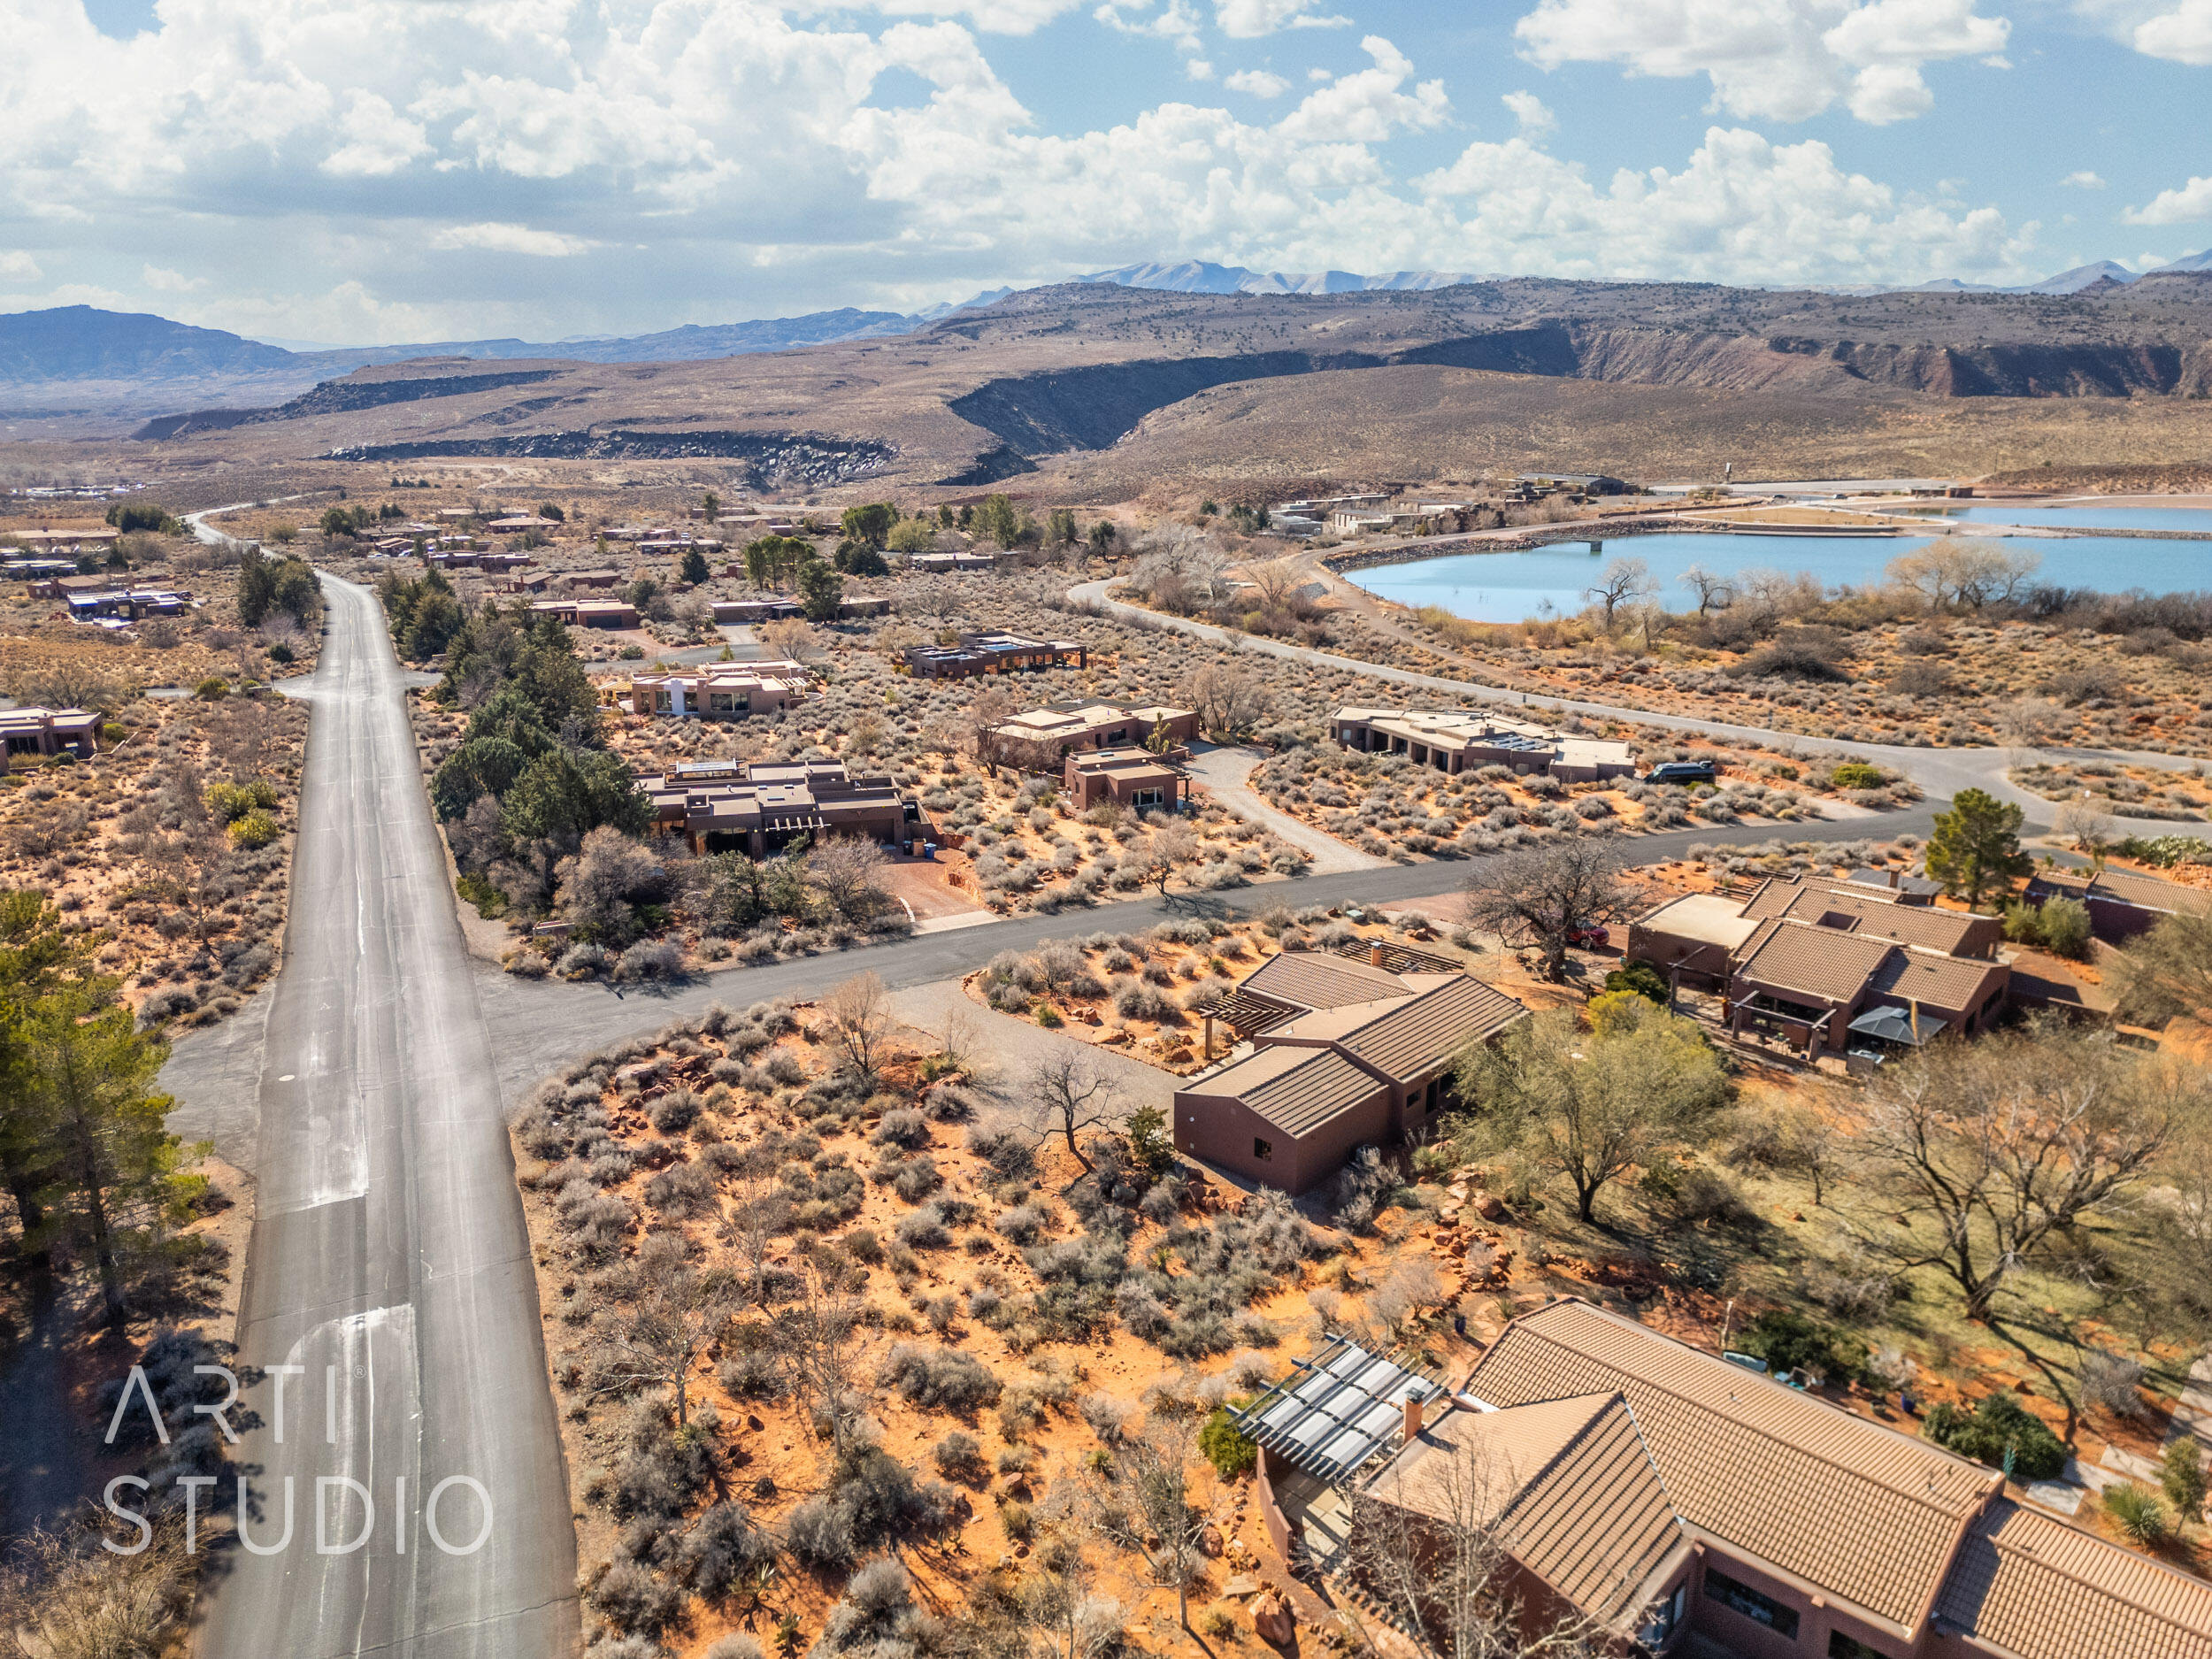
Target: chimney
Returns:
[1411, 1430]
[1375, 952]
[1892, 874]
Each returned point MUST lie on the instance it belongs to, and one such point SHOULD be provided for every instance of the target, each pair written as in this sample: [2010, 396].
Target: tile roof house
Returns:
[1697, 1507]
[1832, 964]
[1343, 1054]
[1465, 740]
[2122, 903]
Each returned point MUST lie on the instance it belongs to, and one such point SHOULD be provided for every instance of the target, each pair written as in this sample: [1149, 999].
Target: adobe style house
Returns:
[1344, 1053]
[1133, 777]
[1693, 1505]
[1468, 740]
[731, 806]
[717, 692]
[1040, 739]
[991, 654]
[2121, 903]
[590, 613]
[43, 732]
[1834, 966]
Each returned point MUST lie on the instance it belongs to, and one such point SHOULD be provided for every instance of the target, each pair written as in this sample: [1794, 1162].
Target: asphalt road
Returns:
[388, 1257]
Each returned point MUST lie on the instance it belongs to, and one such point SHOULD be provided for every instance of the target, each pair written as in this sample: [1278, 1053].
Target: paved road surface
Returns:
[1224, 771]
[387, 1240]
[1941, 772]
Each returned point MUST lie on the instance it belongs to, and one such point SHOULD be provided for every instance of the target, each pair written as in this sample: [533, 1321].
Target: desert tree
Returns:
[1162, 853]
[1545, 895]
[657, 1336]
[2166, 973]
[988, 711]
[1588, 1106]
[821, 1341]
[1712, 590]
[1069, 1093]
[1228, 701]
[1976, 847]
[1424, 1540]
[1148, 1497]
[757, 1213]
[847, 871]
[1995, 1151]
[1622, 582]
[857, 1022]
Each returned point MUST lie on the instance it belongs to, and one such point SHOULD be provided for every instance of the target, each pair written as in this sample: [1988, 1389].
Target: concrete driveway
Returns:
[1223, 769]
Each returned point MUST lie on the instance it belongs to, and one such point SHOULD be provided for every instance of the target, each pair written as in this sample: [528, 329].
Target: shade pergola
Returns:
[1335, 1411]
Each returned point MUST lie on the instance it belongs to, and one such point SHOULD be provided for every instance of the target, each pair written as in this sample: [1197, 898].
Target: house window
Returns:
[1843, 1647]
[1742, 1598]
[1145, 797]
[1263, 1148]
[1664, 1617]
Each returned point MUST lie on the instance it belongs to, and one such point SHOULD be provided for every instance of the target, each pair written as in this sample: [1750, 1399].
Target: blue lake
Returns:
[2093, 518]
[1550, 581]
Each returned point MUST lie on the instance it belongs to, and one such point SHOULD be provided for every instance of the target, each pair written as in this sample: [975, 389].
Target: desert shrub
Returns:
[862, 1245]
[1230, 1453]
[722, 1547]
[1641, 977]
[917, 1179]
[903, 1127]
[752, 1374]
[1787, 1340]
[1107, 1416]
[684, 1191]
[1999, 1422]
[1855, 774]
[2112, 1381]
[2137, 1512]
[942, 1379]
[674, 1111]
[1009, 1156]
[819, 1533]
[959, 1455]
[635, 1600]
[922, 1229]
[736, 1645]
[1022, 1224]
[255, 830]
[650, 959]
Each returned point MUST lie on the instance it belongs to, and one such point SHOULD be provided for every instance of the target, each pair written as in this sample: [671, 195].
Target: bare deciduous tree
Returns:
[658, 1335]
[1069, 1094]
[1161, 854]
[1148, 1499]
[1424, 1541]
[1712, 590]
[990, 708]
[847, 871]
[1993, 1151]
[1621, 582]
[1229, 701]
[856, 1021]
[821, 1343]
[1545, 895]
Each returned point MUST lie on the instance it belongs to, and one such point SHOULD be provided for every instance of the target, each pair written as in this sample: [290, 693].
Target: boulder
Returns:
[1209, 1540]
[1271, 1619]
[1490, 1207]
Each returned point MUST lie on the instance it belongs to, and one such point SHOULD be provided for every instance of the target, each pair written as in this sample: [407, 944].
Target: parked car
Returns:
[1683, 772]
[1588, 936]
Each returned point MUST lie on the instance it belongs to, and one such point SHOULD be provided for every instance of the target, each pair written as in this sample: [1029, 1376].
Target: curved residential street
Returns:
[389, 1258]
[1941, 772]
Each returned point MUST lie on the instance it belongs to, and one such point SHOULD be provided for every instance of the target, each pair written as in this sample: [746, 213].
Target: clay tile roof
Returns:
[1906, 923]
[1788, 1479]
[1569, 1484]
[1313, 978]
[1412, 1040]
[1956, 982]
[2134, 887]
[1298, 1090]
[1817, 963]
[2031, 1586]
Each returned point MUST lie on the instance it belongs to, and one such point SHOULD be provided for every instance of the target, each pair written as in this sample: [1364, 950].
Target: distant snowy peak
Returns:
[2191, 266]
[1197, 276]
[2082, 276]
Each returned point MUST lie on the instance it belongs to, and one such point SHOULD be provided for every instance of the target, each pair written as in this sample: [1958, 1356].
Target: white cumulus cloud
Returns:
[2083, 179]
[2191, 201]
[2184, 34]
[1257, 83]
[1534, 118]
[18, 266]
[1772, 59]
[1248, 20]
[162, 281]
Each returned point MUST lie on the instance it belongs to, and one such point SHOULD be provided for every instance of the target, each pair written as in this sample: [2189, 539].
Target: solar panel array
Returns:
[1335, 1411]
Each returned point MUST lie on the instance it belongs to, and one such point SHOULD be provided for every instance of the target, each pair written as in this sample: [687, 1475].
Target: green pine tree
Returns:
[1976, 847]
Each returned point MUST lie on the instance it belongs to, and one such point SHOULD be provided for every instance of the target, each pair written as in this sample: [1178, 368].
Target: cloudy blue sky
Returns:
[397, 170]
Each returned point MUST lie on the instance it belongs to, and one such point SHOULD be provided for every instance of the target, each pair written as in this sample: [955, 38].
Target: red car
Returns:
[1589, 936]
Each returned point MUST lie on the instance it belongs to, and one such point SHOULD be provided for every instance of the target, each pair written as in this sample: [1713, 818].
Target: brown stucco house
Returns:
[1691, 1506]
[1039, 740]
[1133, 777]
[1341, 1054]
[731, 806]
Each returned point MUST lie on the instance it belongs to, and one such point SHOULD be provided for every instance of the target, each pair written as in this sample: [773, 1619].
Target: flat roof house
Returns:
[990, 653]
[50, 732]
[590, 613]
[1135, 778]
[731, 806]
[1344, 1053]
[1465, 739]
[719, 692]
[1693, 1505]
[1041, 739]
